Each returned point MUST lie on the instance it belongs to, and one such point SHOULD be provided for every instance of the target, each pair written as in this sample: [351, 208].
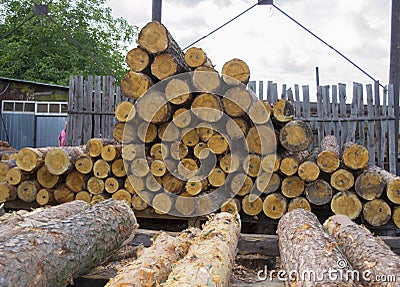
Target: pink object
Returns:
[62, 138]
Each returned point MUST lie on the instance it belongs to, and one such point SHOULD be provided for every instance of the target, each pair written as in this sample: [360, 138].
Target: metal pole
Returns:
[394, 74]
[156, 10]
[317, 76]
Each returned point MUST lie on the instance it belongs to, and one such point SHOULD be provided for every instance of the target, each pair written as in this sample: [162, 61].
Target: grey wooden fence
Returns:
[91, 108]
[368, 118]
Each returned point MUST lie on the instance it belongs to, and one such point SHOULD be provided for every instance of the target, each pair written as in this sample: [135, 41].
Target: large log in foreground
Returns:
[55, 253]
[209, 260]
[368, 254]
[155, 263]
[307, 249]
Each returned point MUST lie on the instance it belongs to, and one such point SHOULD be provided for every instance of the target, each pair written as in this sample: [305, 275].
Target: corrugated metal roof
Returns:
[34, 83]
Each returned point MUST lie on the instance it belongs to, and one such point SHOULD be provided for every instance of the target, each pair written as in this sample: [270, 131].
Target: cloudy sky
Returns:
[274, 47]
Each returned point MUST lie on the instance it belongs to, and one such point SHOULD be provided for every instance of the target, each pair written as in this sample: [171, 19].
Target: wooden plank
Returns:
[306, 103]
[297, 104]
[391, 132]
[384, 126]
[78, 127]
[261, 90]
[320, 114]
[274, 92]
[269, 92]
[71, 107]
[283, 95]
[361, 123]
[252, 86]
[289, 95]
[111, 108]
[343, 114]
[326, 110]
[335, 112]
[378, 125]
[97, 106]
[351, 135]
[88, 106]
[371, 126]
[104, 106]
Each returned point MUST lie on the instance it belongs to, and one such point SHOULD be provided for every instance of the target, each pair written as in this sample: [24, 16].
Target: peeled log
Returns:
[59, 160]
[212, 255]
[346, 203]
[306, 247]
[155, 263]
[81, 242]
[355, 156]
[328, 159]
[365, 252]
[296, 136]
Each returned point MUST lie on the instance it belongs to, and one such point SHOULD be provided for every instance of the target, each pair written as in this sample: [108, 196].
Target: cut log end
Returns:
[235, 71]
[274, 206]
[376, 212]
[346, 203]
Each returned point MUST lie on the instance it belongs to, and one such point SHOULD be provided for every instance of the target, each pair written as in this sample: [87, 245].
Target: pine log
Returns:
[125, 133]
[17, 223]
[252, 205]
[166, 65]
[290, 162]
[308, 171]
[63, 194]
[111, 152]
[195, 185]
[347, 203]
[241, 184]
[95, 185]
[196, 57]
[271, 163]
[158, 168]
[168, 132]
[392, 183]
[205, 80]
[189, 137]
[236, 128]
[178, 150]
[95, 145]
[28, 159]
[342, 180]
[146, 132]
[237, 101]
[217, 177]
[155, 262]
[212, 255]
[75, 181]
[137, 59]
[267, 182]
[125, 112]
[201, 151]
[84, 164]
[153, 107]
[205, 131]
[134, 85]
[307, 249]
[81, 242]
[185, 205]
[158, 151]
[299, 202]
[112, 184]
[101, 169]
[252, 165]
[182, 118]
[178, 91]
[138, 203]
[328, 159]
[376, 212]
[27, 190]
[152, 183]
[292, 186]
[218, 144]
[187, 168]
[131, 151]
[232, 206]
[44, 197]
[318, 192]
[261, 140]
[207, 107]
[283, 111]
[118, 168]
[396, 216]
[296, 136]
[97, 198]
[123, 195]
[162, 203]
[139, 167]
[260, 112]
[206, 204]
[83, 196]
[354, 156]
[365, 252]
[15, 176]
[274, 205]
[235, 72]
[229, 163]
[59, 160]
[134, 184]
[8, 192]
[369, 185]
[172, 184]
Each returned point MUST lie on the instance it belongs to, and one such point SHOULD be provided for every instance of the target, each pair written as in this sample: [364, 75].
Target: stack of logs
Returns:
[147, 150]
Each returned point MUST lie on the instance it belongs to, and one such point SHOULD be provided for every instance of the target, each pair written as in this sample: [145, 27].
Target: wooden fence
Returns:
[367, 118]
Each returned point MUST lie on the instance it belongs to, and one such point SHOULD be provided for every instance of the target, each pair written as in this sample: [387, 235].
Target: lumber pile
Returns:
[52, 246]
[204, 138]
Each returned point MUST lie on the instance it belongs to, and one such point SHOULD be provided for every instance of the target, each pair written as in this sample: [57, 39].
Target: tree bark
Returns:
[365, 252]
[81, 242]
[307, 249]
[210, 258]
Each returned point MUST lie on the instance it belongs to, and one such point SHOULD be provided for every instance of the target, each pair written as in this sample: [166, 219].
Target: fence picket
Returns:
[370, 125]
[97, 107]
[384, 126]
[361, 124]
[261, 90]
[343, 114]
[351, 135]
[326, 110]
[391, 135]
[335, 113]
[320, 114]
[297, 104]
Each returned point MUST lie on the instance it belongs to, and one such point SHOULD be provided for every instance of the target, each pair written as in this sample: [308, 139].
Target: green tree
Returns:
[42, 48]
